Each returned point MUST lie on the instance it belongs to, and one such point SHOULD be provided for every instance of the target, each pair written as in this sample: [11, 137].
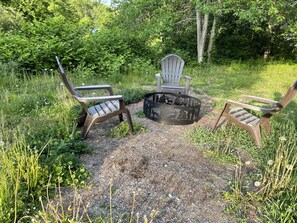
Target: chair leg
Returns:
[214, 128]
[129, 120]
[219, 117]
[256, 134]
[266, 124]
[87, 126]
[121, 117]
[82, 118]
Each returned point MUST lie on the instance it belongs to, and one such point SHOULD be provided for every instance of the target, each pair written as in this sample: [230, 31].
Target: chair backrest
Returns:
[291, 93]
[172, 69]
[65, 80]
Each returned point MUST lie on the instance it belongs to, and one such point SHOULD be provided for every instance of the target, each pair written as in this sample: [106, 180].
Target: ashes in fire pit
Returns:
[170, 108]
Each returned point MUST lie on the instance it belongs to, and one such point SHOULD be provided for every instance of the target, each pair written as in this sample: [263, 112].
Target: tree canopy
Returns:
[105, 39]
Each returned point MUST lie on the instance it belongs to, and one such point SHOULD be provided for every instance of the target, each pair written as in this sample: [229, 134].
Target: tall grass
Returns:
[38, 139]
[20, 175]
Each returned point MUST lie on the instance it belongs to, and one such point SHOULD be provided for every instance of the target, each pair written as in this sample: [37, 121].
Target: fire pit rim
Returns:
[192, 109]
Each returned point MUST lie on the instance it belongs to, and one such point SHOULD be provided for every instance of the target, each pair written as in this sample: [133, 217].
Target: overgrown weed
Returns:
[123, 130]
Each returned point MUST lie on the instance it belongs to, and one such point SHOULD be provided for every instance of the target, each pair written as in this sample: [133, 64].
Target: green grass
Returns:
[123, 130]
[232, 80]
[40, 144]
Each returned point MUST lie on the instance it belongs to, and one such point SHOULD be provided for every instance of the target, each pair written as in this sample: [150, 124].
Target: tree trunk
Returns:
[198, 23]
[211, 39]
[202, 24]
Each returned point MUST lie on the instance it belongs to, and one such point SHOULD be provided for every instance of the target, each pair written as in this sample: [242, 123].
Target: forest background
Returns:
[107, 40]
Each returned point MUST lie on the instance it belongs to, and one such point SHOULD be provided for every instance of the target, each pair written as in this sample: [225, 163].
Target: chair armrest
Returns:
[187, 77]
[158, 77]
[258, 99]
[95, 87]
[251, 107]
[96, 99]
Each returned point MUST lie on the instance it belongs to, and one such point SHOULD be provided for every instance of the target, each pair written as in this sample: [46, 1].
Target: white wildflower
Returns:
[282, 138]
[257, 183]
[270, 162]
[247, 162]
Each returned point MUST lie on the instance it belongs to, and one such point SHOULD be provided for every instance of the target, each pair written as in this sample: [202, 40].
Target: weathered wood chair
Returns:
[240, 116]
[102, 108]
[171, 74]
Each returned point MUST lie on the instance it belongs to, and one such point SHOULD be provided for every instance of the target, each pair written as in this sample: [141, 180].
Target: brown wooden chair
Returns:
[240, 115]
[102, 108]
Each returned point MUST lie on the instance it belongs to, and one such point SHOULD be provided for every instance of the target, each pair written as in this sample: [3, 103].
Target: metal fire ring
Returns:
[170, 108]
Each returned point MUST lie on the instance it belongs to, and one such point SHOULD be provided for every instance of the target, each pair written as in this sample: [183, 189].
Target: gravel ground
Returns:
[153, 171]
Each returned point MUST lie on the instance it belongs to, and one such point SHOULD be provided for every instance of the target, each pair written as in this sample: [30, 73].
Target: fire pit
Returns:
[170, 108]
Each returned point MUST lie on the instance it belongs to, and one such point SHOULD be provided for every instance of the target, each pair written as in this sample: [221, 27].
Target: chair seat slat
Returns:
[252, 120]
[92, 110]
[108, 107]
[99, 110]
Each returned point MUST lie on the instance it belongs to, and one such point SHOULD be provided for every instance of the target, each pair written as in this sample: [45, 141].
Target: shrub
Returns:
[132, 95]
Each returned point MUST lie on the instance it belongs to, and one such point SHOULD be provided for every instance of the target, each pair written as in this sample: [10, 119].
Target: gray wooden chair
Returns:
[241, 116]
[101, 108]
[171, 74]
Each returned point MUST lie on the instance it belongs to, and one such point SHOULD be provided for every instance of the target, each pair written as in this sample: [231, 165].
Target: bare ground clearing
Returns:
[160, 168]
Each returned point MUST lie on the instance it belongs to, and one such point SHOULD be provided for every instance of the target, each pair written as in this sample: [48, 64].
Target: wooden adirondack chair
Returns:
[102, 108]
[240, 116]
[171, 74]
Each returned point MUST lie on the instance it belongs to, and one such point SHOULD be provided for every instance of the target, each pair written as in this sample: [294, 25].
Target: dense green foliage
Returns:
[106, 40]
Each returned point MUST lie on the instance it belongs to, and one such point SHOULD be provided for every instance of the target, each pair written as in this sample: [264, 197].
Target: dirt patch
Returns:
[160, 168]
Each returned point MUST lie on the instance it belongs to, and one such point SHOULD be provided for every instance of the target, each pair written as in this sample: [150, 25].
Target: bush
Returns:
[132, 95]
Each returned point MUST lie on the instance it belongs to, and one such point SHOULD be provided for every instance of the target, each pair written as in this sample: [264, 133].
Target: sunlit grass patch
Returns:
[234, 79]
